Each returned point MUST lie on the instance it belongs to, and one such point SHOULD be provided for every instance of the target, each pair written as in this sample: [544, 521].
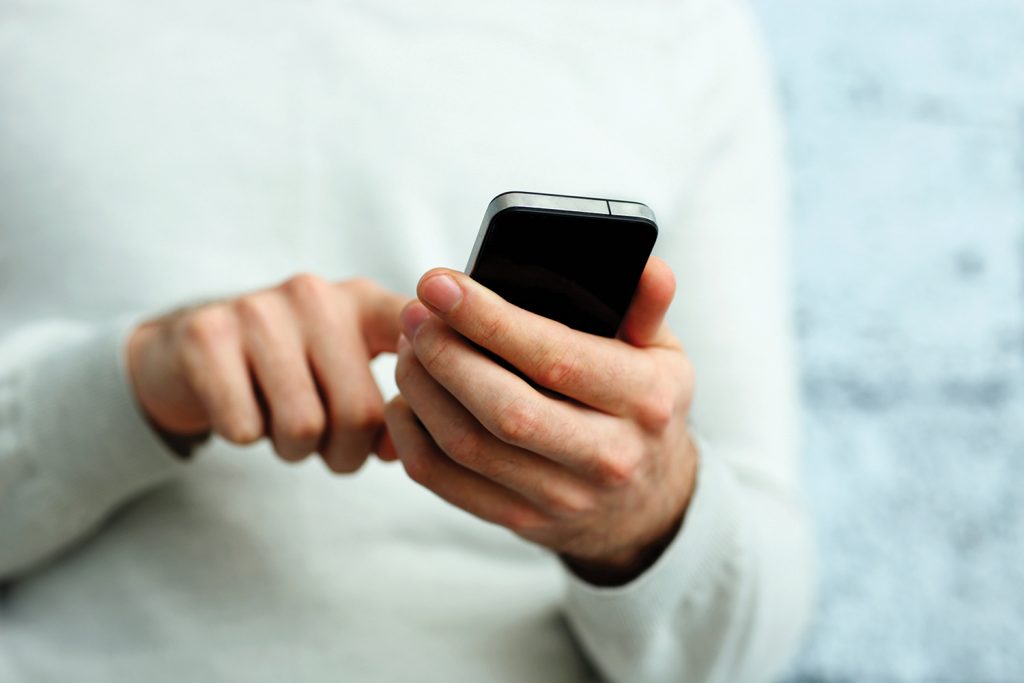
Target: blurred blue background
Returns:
[906, 135]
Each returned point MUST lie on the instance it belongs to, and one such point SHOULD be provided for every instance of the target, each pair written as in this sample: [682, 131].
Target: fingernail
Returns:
[414, 315]
[403, 343]
[441, 292]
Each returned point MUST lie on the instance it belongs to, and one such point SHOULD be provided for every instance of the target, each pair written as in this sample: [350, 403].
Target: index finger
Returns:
[603, 373]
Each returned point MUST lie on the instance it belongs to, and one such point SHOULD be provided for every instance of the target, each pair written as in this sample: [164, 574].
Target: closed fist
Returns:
[290, 363]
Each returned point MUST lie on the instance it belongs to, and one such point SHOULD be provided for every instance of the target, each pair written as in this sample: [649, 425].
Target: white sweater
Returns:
[154, 153]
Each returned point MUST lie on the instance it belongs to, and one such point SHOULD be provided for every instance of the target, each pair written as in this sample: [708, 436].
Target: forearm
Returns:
[73, 445]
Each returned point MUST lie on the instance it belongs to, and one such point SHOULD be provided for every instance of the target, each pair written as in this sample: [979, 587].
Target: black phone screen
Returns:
[580, 269]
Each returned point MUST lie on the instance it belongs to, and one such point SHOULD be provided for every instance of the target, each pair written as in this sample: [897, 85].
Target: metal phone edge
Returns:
[556, 202]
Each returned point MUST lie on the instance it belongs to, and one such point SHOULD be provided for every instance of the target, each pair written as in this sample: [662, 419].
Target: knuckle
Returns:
[208, 326]
[620, 469]
[516, 423]
[557, 366]
[656, 409]
[464, 446]
[240, 431]
[304, 287]
[301, 425]
[253, 309]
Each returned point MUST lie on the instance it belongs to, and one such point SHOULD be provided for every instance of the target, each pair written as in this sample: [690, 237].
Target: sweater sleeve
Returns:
[73, 444]
[726, 601]
[729, 598]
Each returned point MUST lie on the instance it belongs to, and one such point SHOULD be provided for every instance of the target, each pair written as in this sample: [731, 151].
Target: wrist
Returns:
[622, 566]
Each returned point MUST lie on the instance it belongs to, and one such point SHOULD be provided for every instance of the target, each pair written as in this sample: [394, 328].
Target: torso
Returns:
[154, 153]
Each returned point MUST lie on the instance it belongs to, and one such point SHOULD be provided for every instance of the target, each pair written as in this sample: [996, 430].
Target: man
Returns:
[195, 157]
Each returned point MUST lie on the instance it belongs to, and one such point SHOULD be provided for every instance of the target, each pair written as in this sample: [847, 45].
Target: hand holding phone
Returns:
[604, 478]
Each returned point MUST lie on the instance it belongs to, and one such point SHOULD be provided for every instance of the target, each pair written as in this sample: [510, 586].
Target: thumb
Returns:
[643, 324]
[379, 310]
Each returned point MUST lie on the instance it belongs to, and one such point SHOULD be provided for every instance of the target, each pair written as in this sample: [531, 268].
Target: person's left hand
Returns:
[600, 471]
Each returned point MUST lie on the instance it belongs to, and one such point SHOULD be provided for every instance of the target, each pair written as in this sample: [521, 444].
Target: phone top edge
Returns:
[631, 210]
[557, 202]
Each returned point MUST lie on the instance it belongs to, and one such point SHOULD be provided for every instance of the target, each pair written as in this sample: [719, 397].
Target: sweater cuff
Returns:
[93, 441]
[620, 619]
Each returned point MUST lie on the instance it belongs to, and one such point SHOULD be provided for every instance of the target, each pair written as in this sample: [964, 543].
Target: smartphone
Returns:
[576, 260]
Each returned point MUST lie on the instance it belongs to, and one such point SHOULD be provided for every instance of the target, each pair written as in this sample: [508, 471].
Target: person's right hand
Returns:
[290, 363]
